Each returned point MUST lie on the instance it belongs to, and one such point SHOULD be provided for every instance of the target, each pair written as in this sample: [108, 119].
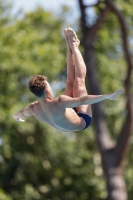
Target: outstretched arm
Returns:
[68, 102]
[23, 113]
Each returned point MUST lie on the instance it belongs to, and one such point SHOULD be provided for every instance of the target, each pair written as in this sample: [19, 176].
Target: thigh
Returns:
[69, 89]
[79, 90]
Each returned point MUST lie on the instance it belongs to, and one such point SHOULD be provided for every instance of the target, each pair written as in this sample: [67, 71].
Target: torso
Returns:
[61, 119]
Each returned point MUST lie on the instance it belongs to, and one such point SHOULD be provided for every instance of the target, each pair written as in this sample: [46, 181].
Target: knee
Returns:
[79, 82]
[70, 82]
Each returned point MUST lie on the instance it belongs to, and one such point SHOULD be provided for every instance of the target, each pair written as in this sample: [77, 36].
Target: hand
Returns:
[113, 95]
[18, 119]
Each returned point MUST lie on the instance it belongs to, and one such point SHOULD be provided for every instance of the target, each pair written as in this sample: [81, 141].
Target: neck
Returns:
[46, 98]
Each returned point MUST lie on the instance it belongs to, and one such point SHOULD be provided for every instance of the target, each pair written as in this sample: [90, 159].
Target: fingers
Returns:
[20, 120]
[120, 91]
[113, 95]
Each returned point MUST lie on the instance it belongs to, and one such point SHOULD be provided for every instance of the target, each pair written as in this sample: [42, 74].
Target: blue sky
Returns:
[53, 4]
[29, 5]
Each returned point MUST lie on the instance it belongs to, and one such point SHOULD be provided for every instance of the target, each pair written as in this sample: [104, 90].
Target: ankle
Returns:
[74, 48]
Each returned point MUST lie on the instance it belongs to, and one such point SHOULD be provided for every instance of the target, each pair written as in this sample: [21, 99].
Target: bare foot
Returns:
[68, 46]
[72, 37]
[67, 40]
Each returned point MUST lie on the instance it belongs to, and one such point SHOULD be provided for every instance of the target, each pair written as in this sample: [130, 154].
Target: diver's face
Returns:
[48, 89]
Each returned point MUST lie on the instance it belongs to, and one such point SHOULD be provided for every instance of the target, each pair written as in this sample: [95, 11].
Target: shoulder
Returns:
[64, 98]
[64, 101]
[59, 101]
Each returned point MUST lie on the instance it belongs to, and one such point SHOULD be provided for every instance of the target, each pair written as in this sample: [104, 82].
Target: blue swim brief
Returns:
[86, 118]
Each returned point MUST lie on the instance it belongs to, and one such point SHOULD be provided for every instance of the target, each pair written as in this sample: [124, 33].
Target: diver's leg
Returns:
[70, 69]
[79, 88]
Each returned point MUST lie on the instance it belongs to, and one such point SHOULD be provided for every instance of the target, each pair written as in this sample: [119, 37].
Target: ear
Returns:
[46, 91]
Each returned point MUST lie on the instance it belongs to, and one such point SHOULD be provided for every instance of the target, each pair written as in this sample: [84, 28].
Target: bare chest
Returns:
[61, 119]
